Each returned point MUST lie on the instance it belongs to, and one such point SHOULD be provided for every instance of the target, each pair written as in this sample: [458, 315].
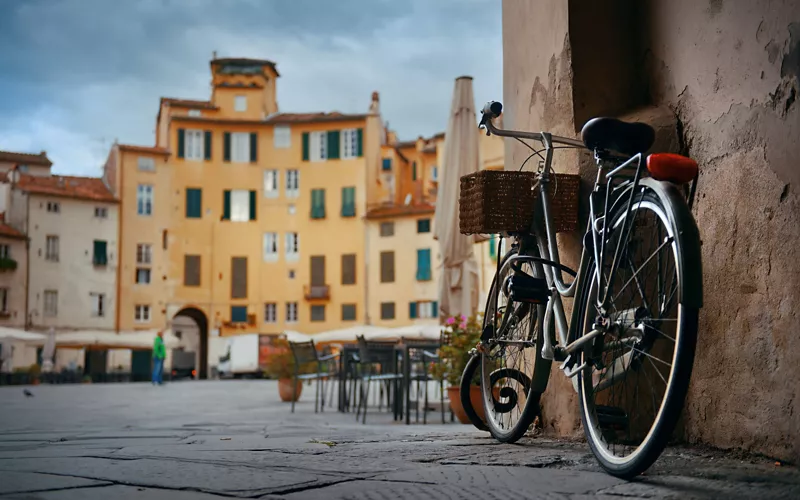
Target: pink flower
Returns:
[463, 325]
[463, 318]
[450, 321]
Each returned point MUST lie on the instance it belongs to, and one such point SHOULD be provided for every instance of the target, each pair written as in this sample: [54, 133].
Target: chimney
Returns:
[375, 105]
[213, 55]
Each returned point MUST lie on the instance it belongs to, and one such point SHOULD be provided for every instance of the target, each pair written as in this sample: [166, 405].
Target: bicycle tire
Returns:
[668, 412]
[465, 388]
[541, 369]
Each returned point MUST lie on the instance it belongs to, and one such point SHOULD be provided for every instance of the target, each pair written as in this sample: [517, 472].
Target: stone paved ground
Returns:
[209, 440]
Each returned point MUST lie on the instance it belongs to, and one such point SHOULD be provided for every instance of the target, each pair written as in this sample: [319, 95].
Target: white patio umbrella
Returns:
[49, 351]
[6, 355]
[459, 283]
[411, 332]
[346, 334]
[15, 334]
[293, 336]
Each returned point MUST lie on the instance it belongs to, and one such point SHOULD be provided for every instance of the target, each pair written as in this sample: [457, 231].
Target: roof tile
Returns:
[82, 188]
[25, 158]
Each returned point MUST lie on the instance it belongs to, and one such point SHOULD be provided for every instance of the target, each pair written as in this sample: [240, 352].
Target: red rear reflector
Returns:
[671, 167]
[194, 372]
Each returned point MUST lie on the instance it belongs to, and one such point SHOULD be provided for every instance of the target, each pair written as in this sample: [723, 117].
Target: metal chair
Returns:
[419, 358]
[305, 353]
[374, 359]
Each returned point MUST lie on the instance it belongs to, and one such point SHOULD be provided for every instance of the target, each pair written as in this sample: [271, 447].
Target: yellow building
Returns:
[243, 218]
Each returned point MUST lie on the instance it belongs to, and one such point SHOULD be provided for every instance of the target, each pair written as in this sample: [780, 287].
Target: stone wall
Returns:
[724, 78]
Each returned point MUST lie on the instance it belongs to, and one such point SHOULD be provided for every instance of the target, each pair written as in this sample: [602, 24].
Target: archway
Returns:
[201, 321]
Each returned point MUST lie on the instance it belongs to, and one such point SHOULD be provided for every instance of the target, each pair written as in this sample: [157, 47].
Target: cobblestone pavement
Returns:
[220, 439]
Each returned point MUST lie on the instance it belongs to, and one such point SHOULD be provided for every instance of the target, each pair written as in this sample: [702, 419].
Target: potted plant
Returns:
[460, 335]
[280, 365]
[7, 264]
[34, 372]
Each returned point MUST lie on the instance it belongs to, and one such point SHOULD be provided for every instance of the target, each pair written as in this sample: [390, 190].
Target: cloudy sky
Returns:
[77, 74]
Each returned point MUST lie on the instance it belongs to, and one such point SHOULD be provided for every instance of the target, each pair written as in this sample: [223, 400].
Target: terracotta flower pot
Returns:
[285, 389]
[455, 402]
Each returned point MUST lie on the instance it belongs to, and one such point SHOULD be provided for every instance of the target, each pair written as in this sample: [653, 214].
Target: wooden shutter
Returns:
[412, 310]
[208, 145]
[348, 202]
[100, 255]
[305, 146]
[348, 312]
[253, 199]
[194, 203]
[387, 267]
[360, 142]
[424, 265]
[387, 164]
[387, 310]
[318, 313]
[226, 154]
[387, 228]
[239, 277]
[349, 269]
[413, 171]
[181, 142]
[435, 309]
[333, 145]
[318, 270]
[226, 204]
[191, 270]
[253, 147]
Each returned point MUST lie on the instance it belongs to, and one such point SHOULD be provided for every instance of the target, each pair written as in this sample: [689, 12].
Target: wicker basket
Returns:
[493, 201]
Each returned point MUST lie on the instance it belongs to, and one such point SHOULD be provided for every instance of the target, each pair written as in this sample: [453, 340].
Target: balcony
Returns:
[317, 292]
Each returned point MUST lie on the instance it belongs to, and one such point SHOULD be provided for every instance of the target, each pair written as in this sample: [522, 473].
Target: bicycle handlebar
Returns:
[493, 109]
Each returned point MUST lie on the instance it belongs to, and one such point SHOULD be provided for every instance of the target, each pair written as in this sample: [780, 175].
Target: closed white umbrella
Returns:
[49, 351]
[459, 285]
[6, 355]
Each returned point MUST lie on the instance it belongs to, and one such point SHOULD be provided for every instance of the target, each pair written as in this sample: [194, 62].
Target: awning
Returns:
[99, 339]
[347, 334]
[411, 332]
[16, 334]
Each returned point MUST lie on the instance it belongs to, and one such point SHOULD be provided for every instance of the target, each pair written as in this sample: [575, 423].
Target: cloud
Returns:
[78, 74]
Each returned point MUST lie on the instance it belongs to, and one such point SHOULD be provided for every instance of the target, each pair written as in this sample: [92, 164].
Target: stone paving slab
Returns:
[234, 439]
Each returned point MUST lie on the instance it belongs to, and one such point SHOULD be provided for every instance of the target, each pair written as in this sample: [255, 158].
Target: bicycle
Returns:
[625, 344]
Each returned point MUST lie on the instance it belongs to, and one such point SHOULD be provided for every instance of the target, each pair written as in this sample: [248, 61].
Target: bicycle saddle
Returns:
[611, 134]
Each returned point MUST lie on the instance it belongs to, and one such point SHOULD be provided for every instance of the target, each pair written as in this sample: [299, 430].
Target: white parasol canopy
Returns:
[459, 286]
[410, 332]
[123, 340]
[293, 336]
[15, 334]
[347, 334]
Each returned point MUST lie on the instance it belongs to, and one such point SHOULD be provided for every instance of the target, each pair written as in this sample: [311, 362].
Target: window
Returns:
[270, 247]
[291, 312]
[98, 304]
[23, 169]
[141, 313]
[348, 202]
[291, 274]
[349, 143]
[387, 310]
[146, 164]
[240, 103]
[292, 246]
[195, 113]
[271, 183]
[3, 300]
[318, 313]
[5, 252]
[51, 248]
[239, 205]
[270, 312]
[413, 170]
[424, 264]
[349, 269]
[142, 276]
[348, 312]
[144, 253]
[292, 208]
[317, 203]
[387, 165]
[53, 207]
[144, 199]
[194, 146]
[424, 226]
[194, 203]
[387, 267]
[239, 277]
[164, 239]
[100, 253]
[240, 147]
[423, 310]
[282, 137]
[101, 212]
[434, 173]
[318, 146]
[191, 270]
[292, 183]
[387, 229]
[50, 303]
[318, 270]
[238, 314]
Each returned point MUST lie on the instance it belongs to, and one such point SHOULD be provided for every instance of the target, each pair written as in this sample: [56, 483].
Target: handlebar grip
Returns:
[492, 109]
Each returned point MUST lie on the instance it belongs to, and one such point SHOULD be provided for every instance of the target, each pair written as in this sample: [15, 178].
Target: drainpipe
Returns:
[120, 246]
[28, 260]
[367, 320]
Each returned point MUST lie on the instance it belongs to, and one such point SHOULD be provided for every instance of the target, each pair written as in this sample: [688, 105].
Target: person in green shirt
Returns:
[159, 353]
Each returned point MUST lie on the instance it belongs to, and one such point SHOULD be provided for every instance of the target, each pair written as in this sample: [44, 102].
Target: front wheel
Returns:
[634, 384]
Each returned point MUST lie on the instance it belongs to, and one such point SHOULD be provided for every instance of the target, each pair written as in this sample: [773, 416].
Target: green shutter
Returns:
[435, 307]
[360, 145]
[226, 205]
[181, 142]
[387, 164]
[253, 147]
[100, 258]
[194, 203]
[333, 144]
[348, 202]
[208, 144]
[424, 265]
[317, 203]
[412, 310]
[413, 171]
[492, 248]
[305, 146]
[227, 148]
[252, 205]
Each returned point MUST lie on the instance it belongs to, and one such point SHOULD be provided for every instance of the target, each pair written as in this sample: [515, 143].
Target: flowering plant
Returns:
[461, 334]
[280, 363]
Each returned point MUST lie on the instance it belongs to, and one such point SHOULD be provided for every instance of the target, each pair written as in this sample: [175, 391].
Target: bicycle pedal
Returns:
[525, 288]
[611, 418]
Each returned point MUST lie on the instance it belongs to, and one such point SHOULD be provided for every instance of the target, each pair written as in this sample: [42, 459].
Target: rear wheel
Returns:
[633, 387]
[511, 365]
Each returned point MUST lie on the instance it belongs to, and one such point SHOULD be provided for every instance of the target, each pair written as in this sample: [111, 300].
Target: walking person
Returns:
[159, 353]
